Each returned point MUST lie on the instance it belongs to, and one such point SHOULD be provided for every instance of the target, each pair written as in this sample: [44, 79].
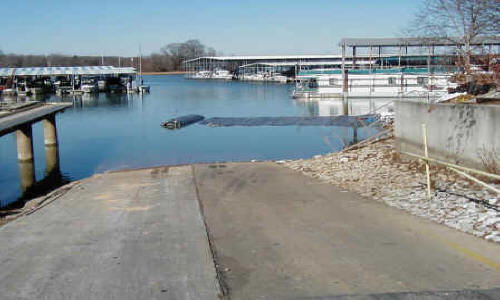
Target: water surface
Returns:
[111, 132]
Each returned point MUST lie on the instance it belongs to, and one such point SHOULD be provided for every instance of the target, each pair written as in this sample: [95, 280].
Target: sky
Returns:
[233, 27]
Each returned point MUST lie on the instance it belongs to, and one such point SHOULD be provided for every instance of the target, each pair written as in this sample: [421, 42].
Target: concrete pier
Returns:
[51, 159]
[26, 174]
[50, 131]
[21, 122]
[24, 137]
[51, 145]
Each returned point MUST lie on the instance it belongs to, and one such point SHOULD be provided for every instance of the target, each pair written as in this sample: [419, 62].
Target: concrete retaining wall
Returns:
[456, 132]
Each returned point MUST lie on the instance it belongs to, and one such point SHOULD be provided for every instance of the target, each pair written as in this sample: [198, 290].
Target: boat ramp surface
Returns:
[249, 230]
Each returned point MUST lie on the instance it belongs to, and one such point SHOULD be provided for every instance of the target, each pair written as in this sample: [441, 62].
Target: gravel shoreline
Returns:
[376, 171]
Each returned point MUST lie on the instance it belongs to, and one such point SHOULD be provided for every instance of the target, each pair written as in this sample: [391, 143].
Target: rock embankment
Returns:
[377, 171]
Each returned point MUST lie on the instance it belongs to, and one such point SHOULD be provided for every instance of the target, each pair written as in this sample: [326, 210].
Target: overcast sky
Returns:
[95, 27]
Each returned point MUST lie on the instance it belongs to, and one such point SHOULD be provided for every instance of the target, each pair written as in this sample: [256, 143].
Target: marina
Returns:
[114, 131]
[25, 82]
[377, 67]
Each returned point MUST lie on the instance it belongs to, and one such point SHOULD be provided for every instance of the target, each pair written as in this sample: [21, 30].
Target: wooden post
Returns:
[426, 155]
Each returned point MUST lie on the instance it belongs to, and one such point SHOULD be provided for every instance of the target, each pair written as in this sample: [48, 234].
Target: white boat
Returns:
[264, 77]
[253, 77]
[222, 75]
[89, 86]
[143, 89]
[102, 85]
[202, 75]
[363, 83]
[278, 78]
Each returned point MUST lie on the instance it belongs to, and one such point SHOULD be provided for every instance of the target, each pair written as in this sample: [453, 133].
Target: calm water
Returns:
[110, 132]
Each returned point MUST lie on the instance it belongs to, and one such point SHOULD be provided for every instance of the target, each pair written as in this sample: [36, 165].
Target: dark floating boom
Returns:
[347, 121]
[183, 121]
[343, 121]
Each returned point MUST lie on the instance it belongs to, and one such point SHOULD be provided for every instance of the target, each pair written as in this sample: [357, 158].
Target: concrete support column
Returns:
[24, 136]
[26, 174]
[51, 145]
[50, 131]
[51, 159]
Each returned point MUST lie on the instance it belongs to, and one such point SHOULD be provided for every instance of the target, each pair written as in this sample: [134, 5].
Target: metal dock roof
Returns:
[394, 42]
[54, 71]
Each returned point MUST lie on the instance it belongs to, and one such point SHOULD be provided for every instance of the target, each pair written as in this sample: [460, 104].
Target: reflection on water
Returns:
[117, 131]
[352, 107]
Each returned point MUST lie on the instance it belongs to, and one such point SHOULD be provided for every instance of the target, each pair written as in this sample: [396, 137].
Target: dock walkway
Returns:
[142, 234]
[13, 121]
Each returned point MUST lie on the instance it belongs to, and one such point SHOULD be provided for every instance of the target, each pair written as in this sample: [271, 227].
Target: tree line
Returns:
[168, 58]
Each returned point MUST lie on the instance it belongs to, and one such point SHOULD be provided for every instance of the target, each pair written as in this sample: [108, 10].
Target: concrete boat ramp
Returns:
[237, 230]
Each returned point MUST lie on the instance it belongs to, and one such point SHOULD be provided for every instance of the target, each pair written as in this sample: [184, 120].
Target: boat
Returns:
[202, 75]
[22, 89]
[222, 75]
[89, 85]
[278, 78]
[143, 89]
[383, 83]
[102, 85]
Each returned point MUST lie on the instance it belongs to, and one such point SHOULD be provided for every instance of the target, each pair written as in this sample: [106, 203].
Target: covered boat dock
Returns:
[62, 71]
[355, 53]
[403, 48]
[46, 79]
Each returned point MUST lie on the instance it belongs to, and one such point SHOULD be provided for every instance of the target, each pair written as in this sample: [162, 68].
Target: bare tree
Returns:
[169, 58]
[459, 21]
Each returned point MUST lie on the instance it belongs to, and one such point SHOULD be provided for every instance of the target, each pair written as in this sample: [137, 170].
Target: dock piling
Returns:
[26, 174]
[49, 130]
[24, 136]
[51, 144]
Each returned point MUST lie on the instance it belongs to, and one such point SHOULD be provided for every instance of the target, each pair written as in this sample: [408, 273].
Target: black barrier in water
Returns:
[346, 121]
[183, 121]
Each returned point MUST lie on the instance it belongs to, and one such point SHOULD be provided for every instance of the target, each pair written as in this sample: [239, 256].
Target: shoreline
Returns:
[376, 171]
[457, 202]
